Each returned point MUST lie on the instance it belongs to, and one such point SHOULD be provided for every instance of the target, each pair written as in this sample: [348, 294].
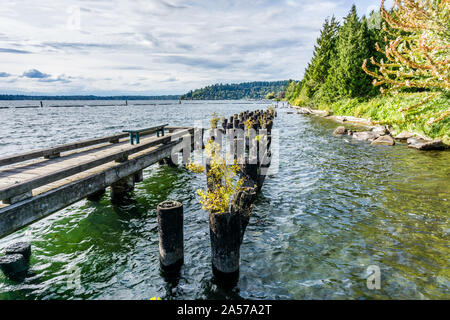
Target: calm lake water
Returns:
[334, 208]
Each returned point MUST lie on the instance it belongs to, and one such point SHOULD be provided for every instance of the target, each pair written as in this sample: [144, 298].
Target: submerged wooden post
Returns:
[121, 188]
[170, 231]
[13, 265]
[16, 260]
[23, 248]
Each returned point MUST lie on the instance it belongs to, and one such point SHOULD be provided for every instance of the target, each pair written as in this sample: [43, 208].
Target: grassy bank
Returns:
[417, 110]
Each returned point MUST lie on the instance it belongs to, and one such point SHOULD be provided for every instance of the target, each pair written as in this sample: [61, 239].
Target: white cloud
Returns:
[156, 46]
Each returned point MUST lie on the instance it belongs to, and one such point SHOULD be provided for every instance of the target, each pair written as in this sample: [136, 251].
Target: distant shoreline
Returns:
[6, 97]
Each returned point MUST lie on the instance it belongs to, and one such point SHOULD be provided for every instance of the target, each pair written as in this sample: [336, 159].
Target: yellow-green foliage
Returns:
[415, 112]
[302, 98]
[214, 121]
[248, 123]
[224, 180]
[263, 121]
[271, 110]
[195, 167]
[259, 137]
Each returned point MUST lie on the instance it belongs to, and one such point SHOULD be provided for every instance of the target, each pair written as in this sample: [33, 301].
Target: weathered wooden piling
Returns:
[15, 262]
[170, 231]
[225, 244]
[227, 229]
[23, 248]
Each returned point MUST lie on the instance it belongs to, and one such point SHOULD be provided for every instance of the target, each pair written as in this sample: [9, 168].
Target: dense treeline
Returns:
[391, 67]
[335, 69]
[91, 97]
[235, 91]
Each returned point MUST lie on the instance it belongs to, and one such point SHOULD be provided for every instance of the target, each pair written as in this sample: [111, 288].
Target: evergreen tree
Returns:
[324, 53]
[317, 70]
[290, 90]
[346, 78]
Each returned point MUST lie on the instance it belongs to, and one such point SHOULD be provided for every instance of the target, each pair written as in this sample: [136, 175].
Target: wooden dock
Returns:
[41, 182]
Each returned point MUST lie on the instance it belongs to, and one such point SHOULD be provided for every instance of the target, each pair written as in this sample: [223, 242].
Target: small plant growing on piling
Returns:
[248, 124]
[259, 137]
[263, 121]
[223, 178]
[271, 110]
[195, 167]
[214, 121]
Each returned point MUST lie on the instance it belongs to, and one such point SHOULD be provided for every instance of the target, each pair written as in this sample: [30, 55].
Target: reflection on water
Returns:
[334, 208]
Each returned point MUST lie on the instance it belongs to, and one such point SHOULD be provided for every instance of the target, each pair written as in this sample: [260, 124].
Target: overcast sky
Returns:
[153, 47]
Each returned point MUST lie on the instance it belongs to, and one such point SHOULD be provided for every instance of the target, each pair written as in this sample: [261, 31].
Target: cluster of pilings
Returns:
[238, 121]
[250, 135]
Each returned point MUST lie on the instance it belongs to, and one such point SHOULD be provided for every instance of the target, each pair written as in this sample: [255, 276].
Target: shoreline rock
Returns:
[381, 130]
[421, 144]
[365, 135]
[377, 133]
[340, 130]
[385, 140]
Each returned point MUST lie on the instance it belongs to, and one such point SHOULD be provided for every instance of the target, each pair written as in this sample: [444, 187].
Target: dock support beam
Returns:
[18, 198]
[170, 230]
[121, 188]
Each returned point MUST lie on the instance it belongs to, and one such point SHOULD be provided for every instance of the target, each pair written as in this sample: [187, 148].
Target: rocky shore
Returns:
[376, 134]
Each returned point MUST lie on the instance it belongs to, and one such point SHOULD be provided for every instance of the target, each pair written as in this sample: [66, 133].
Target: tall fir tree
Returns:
[346, 77]
[324, 53]
[317, 70]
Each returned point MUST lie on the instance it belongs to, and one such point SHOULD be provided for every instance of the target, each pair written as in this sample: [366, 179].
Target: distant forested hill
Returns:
[234, 91]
